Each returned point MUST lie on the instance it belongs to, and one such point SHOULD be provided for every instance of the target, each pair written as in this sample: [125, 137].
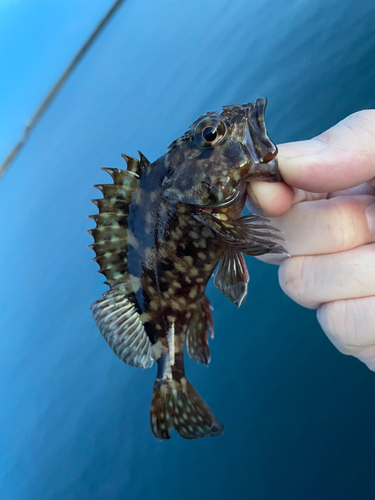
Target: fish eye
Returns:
[209, 132]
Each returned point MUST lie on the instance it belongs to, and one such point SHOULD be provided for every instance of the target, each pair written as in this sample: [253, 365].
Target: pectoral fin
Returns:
[250, 234]
[232, 277]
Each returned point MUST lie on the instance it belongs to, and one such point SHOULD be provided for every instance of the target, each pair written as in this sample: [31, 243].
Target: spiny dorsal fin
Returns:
[111, 231]
[105, 206]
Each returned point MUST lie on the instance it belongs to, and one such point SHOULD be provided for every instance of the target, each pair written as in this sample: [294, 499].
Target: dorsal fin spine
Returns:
[133, 165]
[143, 160]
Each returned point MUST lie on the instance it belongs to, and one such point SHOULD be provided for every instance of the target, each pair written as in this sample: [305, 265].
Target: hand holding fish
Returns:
[326, 211]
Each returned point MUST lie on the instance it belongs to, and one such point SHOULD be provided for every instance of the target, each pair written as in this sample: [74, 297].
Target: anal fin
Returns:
[232, 276]
[120, 325]
[197, 340]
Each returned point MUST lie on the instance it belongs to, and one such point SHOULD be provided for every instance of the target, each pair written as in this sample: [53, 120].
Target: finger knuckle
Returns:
[364, 119]
[296, 277]
[360, 126]
[338, 321]
[342, 224]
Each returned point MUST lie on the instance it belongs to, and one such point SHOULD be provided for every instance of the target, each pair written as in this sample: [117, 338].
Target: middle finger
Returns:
[328, 226]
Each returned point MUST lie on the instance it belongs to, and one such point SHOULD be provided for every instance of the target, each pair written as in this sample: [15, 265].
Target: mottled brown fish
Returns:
[162, 228]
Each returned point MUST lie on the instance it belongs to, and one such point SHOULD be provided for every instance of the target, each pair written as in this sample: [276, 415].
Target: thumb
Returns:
[340, 158]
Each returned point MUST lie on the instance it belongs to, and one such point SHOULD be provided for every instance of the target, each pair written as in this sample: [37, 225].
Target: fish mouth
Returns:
[261, 149]
[220, 199]
[230, 198]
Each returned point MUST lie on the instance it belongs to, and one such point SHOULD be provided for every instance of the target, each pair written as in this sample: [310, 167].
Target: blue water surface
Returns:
[74, 420]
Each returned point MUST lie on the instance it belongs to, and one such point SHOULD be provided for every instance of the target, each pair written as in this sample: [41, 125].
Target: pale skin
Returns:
[326, 211]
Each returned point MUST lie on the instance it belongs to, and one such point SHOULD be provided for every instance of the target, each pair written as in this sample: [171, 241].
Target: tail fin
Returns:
[178, 405]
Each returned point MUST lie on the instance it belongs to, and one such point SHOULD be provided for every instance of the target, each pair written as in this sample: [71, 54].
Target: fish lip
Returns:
[261, 149]
[274, 174]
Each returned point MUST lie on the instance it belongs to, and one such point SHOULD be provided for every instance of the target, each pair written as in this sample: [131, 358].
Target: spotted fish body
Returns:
[162, 228]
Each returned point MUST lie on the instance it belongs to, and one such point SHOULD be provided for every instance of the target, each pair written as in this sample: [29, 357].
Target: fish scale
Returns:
[161, 230]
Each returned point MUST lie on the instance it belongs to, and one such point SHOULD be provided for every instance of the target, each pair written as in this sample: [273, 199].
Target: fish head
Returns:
[211, 164]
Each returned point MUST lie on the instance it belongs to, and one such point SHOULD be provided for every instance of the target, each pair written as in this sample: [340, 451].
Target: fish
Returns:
[161, 230]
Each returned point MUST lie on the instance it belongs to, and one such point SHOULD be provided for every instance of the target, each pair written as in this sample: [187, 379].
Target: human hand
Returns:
[326, 211]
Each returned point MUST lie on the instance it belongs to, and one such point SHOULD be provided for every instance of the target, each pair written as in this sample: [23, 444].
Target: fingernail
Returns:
[301, 148]
[370, 216]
